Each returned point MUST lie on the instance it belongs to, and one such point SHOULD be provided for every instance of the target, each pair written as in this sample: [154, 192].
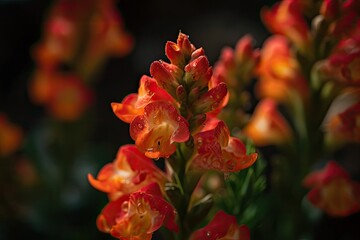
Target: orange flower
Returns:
[69, 99]
[10, 136]
[129, 172]
[279, 73]
[138, 215]
[158, 129]
[133, 104]
[65, 96]
[286, 18]
[216, 150]
[61, 37]
[333, 191]
[222, 227]
[267, 126]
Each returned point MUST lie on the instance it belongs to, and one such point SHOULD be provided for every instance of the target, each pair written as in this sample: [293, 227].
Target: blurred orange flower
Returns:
[333, 191]
[11, 136]
[70, 98]
[267, 126]
[286, 18]
[279, 74]
[341, 124]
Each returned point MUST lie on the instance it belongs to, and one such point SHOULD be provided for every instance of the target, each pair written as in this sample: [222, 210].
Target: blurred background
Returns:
[44, 192]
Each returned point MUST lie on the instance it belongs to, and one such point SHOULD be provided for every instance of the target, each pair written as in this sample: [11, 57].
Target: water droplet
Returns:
[199, 141]
[211, 97]
[161, 61]
[151, 149]
[208, 234]
[140, 126]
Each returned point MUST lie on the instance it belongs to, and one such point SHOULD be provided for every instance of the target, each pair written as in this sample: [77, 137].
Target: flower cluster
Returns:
[172, 117]
[78, 36]
[297, 95]
[305, 80]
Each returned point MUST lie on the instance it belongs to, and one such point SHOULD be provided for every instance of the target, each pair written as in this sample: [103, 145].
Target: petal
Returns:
[331, 171]
[126, 110]
[166, 75]
[130, 171]
[198, 72]
[144, 212]
[156, 131]
[222, 225]
[216, 150]
[150, 91]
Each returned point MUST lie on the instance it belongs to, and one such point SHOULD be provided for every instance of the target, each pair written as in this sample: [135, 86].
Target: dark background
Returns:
[210, 24]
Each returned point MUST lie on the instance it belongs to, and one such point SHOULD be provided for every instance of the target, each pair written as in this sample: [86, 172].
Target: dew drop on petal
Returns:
[140, 126]
[151, 149]
[208, 234]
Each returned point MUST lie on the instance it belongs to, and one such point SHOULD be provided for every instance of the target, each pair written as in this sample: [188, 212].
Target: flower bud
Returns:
[166, 75]
[211, 99]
